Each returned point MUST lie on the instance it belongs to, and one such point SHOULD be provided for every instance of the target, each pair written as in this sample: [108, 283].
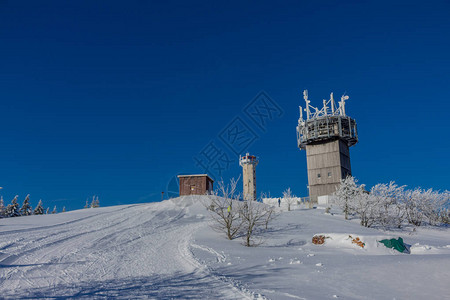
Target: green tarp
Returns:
[396, 244]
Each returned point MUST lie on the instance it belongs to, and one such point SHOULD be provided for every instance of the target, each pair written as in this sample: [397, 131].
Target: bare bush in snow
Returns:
[238, 218]
[271, 214]
[255, 215]
[271, 210]
[224, 207]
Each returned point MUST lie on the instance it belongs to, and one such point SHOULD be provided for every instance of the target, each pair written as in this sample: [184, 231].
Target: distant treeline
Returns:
[15, 210]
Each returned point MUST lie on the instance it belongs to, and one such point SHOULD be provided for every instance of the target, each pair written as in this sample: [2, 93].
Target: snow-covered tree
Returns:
[12, 210]
[426, 205]
[288, 198]
[445, 215]
[39, 210]
[47, 211]
[2, 208]
[383, 206]
[54, 210]
[445, 211]
[87, 204]
[353, 199]
[26, 209]
[64, 209]
[438, 207]
[364, 205]
[388, 198]
[346, 193]
[390, 205]
[413, 200]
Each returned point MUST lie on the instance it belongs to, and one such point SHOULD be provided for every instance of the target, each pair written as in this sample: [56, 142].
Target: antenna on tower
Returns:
[321, 129]
[324, 124]
[333, 106]
[342, 104]
[305, 96]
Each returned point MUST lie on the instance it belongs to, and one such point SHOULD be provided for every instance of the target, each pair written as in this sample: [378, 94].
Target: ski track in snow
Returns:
[220, 257]
[138, 251]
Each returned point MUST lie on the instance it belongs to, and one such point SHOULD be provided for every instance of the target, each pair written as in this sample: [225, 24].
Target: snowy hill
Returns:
[167, 250]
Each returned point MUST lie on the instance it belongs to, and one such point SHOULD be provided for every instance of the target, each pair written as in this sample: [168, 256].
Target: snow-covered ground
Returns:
[167, 250]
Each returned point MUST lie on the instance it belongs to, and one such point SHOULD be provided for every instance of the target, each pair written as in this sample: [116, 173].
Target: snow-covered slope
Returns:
[167, 250]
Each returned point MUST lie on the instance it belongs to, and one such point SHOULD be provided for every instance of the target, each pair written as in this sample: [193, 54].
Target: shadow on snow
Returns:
[174, 286]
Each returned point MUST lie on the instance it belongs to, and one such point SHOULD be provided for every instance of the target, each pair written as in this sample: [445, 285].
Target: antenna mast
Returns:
[305, 96]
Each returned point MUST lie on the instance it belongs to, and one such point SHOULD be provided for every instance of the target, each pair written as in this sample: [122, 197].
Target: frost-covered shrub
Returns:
[413, 206]
[346, 195]
[389, 206]
[365, 207]
[445, 216]
[436, 206]
[426, 205]
[289, 198]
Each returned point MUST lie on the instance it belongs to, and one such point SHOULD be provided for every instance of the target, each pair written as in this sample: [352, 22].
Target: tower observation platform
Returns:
[248, 163]
[326, 134]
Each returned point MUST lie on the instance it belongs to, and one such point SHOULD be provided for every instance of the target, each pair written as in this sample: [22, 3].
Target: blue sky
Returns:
[115, 99]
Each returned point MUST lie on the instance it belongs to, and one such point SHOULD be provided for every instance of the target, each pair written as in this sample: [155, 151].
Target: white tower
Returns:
[248, 164]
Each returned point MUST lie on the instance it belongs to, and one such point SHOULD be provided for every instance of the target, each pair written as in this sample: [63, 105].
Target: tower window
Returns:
[318, 175]
[329, 174]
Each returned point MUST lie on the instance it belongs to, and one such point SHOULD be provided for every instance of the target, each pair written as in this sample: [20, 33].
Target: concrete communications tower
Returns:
[248, 164]
[326, 135]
